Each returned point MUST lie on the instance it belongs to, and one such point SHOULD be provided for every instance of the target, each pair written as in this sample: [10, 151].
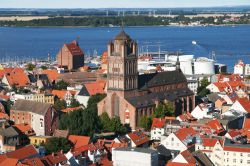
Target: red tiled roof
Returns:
[5, 97]
[188, 157]
[19, 79]
[96, 87]
[23, 153]
[52, 74]
[10, 70]
[210, 142]
[74, 48]
[236, 149]
[216, 125]
[4, 116]
[138, 137]
[9, 162]
[245, 103]
[67, 110]
[229, 84]
[187, 117]
[61, 93]
[231, 77]
[234, 133]
[33, 162]
[79, 141]
[246, 124]
[179, 164]
[158, 123]
[184, 132]
[24, 128]
[55, 158]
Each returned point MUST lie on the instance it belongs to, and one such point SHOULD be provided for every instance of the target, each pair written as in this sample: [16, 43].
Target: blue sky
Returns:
[118, 3]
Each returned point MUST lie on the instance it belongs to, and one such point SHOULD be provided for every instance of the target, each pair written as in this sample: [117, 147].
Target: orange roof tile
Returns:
[23, 153]
[210, 142]
[104, 57]
[138, 137]
[52, 74]
[158, 123]
[33, 162]
[19, 79]
[216, 125]
[245, 103]
[179, 164]
[96, 87]
[79, 141]
[4, 116]
[246, 124]
[55, 158]
[10, 70]
[5, 97]
[234, 133]
[188, 157]
[61, 93]
[24, 128]
[236, 149]
[9, 162]
[184, 132]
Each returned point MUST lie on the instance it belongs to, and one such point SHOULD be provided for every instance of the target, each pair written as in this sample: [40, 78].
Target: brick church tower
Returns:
[122, 71]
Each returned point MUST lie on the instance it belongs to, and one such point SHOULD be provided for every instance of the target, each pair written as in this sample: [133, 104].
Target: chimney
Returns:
[53, 154]
[61, 151]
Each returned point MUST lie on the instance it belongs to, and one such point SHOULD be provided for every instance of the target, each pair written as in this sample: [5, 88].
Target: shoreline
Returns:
[139, 26]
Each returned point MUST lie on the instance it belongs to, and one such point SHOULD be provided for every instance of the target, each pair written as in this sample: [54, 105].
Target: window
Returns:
[241, 154]
[172, 139]
[234, 160]
[248, 161]
[241, 161]
[248, 154]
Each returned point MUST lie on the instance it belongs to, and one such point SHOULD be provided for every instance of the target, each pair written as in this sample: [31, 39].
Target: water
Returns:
[229, 43]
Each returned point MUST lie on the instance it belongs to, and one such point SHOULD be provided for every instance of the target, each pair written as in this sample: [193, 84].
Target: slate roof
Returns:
[122, 36]
[162, 78]
[83, 92]
[31, 106]
[149, 99]
[213, 97]
[9, 132]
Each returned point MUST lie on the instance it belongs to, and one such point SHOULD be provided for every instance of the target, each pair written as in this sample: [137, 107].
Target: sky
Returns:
[118, 3]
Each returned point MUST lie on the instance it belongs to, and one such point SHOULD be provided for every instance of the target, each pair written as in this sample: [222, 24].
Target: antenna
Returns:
[122, 25]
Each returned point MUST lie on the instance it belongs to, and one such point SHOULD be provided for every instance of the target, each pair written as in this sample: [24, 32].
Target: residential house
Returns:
[90, 89]
[52, 75]
[228, 87]
[185, 157]
[9, 139]
[38, 97]
[42, 117]
[66, 95]
[138, 139]
[17, 79]
[39, 140]
[157, 128]
[180, 141]
[202, 111]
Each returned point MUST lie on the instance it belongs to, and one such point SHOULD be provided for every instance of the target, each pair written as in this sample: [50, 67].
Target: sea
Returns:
[229, 43]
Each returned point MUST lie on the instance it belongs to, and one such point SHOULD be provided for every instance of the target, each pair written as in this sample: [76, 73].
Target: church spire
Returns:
[178, 67]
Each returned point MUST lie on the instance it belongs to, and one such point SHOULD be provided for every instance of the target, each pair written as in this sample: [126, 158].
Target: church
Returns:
[130, 95]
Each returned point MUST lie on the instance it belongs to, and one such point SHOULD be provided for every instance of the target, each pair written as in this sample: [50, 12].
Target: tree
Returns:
[7, 106]
[105, 121]
[164, 109]
[60, 104]
[44, 67]
[145, 122]
[61, 85]
[56, 144]
[30, 67]
[202, 91]
[93, 100]
[74, 103]
[116, 126]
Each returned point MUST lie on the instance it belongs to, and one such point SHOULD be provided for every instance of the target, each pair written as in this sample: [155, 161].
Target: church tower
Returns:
[122, 65]
[122, 73]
